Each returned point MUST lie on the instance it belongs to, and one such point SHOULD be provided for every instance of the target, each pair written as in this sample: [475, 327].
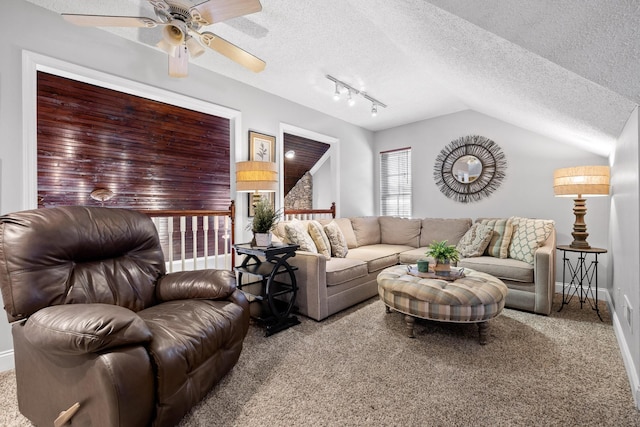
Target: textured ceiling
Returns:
[566, 69]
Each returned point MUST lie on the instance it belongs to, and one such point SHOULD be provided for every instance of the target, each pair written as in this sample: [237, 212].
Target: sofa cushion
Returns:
[316, 231]
[475, 240]
[297, 234]
[342, 270]
[439, 229]
[502, 231]
[347, 231]
[339, 247]
[412, 256]
[399, 231]
[506, 269]
[528, 235]
[379, 256]
[366, 229]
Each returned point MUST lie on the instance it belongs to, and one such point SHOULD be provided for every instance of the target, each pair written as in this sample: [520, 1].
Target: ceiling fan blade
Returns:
[109, 21]
[213, 11]
[232, 52]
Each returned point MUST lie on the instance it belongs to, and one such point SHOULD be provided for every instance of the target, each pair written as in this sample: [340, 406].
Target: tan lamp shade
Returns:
[581, 181]
[256, 176]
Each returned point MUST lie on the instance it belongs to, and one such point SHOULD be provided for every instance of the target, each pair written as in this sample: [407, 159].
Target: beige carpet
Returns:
[359, 368]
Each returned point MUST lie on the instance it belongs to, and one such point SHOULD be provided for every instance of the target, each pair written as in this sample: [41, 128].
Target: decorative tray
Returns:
[455, 274]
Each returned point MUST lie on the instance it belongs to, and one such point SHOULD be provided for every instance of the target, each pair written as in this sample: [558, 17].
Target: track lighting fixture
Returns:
[351, 91]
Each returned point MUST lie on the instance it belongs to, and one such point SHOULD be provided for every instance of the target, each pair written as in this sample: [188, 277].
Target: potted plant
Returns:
[444, 254]
[265, 219]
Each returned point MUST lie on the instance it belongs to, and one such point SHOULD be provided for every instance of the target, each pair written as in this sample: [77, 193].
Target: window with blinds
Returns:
[395, 182]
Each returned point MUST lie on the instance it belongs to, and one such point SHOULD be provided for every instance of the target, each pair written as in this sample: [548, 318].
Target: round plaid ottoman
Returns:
[475, 298]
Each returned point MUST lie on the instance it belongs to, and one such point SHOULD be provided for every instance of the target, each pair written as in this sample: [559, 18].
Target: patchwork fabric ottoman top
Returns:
[477, 297]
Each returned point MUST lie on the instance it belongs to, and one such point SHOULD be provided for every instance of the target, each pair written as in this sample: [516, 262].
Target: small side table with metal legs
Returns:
[583, 276]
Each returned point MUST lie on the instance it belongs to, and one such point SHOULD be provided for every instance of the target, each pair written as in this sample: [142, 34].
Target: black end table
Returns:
[271, 299]
[581, 273]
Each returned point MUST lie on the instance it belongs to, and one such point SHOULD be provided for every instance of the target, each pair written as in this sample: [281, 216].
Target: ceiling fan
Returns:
[181, 35]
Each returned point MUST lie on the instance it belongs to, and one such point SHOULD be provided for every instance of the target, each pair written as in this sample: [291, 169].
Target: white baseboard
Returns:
[626, 357]
[6, 360]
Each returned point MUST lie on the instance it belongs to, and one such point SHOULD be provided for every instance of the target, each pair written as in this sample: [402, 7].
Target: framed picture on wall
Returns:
[262, 148]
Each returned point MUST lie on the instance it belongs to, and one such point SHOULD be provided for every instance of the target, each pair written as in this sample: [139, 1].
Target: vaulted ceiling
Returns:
[568, 70]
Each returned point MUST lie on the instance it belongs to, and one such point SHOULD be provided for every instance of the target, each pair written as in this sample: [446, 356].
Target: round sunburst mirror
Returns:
[469, 168]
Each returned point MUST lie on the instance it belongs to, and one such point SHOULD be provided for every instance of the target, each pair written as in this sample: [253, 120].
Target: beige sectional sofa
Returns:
[328, 285]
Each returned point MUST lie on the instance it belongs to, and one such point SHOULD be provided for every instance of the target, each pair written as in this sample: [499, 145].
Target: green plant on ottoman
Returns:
[444, 255]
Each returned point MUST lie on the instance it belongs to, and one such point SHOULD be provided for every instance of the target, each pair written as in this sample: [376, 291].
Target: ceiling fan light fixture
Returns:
[179, 64]
[174, 33]
[195, 48]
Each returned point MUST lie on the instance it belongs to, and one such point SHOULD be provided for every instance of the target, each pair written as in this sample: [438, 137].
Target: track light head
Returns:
[336, 94]
[350, 99]
[374, 110]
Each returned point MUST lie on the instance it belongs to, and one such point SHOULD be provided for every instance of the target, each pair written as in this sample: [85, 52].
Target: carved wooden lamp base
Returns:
[580, 227]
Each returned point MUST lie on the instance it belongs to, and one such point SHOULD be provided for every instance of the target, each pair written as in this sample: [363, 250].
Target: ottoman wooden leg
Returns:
[482, 332]
[410, 321]
[387, 309]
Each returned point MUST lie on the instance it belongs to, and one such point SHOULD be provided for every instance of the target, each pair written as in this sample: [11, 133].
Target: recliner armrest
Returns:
[84, 328]
[199, 284]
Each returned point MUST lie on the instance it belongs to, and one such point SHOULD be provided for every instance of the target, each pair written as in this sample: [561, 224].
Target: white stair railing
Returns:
[198, 238]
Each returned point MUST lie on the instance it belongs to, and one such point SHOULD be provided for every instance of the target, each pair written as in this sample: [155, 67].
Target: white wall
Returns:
[49, 35]
[527, 189]
[625, 238]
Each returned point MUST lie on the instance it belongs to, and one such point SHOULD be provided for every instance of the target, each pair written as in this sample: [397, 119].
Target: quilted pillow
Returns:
[474, 241]
[502, 231]
[337, 240]
[297, 234]
[320, 238]
[528, 236]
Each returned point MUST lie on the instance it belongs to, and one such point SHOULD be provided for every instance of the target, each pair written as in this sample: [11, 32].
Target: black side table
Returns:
[581, 273]
[271, 299]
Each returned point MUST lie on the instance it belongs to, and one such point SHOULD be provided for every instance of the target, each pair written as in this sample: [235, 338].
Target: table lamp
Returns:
[580, 182]
[256, 177]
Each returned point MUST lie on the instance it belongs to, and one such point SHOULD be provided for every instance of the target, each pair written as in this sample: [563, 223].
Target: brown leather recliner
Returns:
[98, 322]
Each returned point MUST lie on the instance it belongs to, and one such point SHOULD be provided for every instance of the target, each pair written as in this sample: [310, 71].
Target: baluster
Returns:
[205, 233]
[216, 234]
[194, 234]
[227, 243]
[183, 233]
[170, 233]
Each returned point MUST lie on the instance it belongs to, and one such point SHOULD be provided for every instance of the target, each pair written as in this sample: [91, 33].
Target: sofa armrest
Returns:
[544, 274]
[84, 328]
[311, 278]
[199, 284]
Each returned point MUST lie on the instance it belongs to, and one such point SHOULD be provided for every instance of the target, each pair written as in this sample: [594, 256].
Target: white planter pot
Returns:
[262, 239]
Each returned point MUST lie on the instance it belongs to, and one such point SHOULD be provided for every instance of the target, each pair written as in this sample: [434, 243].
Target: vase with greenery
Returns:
[265, 218]
[444, 254]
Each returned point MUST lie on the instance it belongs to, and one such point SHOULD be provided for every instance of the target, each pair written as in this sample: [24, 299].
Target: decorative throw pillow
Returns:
[320, 238]
[502, 231]
[528, 235]
[474, 241]
[297, 234]
[337, 240]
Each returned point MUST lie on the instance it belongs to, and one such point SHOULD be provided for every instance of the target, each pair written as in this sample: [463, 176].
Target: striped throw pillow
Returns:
[502, 231]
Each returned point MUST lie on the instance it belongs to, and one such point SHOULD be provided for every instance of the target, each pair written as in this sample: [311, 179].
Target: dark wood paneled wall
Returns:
[308, 152]
[150, 154]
